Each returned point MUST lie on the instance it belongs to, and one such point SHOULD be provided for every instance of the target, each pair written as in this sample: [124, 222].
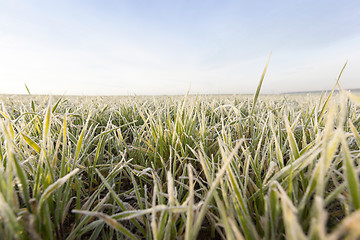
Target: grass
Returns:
[187, 167]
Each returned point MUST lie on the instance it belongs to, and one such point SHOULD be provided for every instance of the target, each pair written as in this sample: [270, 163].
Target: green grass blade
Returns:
[294, 147]
[27, 89]
[325, 106]
[210, 194]
[31, 143]
[352, 178]
[111, 222]
[53, 187]
[257, 93]
[46, 124]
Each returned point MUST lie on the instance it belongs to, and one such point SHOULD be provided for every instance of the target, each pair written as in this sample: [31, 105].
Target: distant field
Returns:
[206, 167]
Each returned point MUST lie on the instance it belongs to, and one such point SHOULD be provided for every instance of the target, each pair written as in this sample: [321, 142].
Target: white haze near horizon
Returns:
[168, 47]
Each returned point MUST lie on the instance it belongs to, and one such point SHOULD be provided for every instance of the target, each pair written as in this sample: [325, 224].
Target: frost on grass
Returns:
[188, 167]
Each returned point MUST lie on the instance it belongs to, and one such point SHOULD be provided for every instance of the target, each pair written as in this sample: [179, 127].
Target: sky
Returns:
[154, 47]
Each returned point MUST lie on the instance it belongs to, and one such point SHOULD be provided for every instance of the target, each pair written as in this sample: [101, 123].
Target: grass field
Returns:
[222, 167]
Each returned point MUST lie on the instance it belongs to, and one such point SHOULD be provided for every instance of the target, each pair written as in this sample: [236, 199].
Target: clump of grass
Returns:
[227, 167]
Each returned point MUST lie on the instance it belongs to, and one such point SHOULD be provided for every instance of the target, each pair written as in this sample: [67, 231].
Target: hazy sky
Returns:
[167, 47]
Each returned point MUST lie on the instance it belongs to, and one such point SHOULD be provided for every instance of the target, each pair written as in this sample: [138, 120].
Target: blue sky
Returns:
[167, 47]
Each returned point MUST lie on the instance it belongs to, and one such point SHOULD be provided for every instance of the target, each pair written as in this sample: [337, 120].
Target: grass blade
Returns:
[257, 93]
